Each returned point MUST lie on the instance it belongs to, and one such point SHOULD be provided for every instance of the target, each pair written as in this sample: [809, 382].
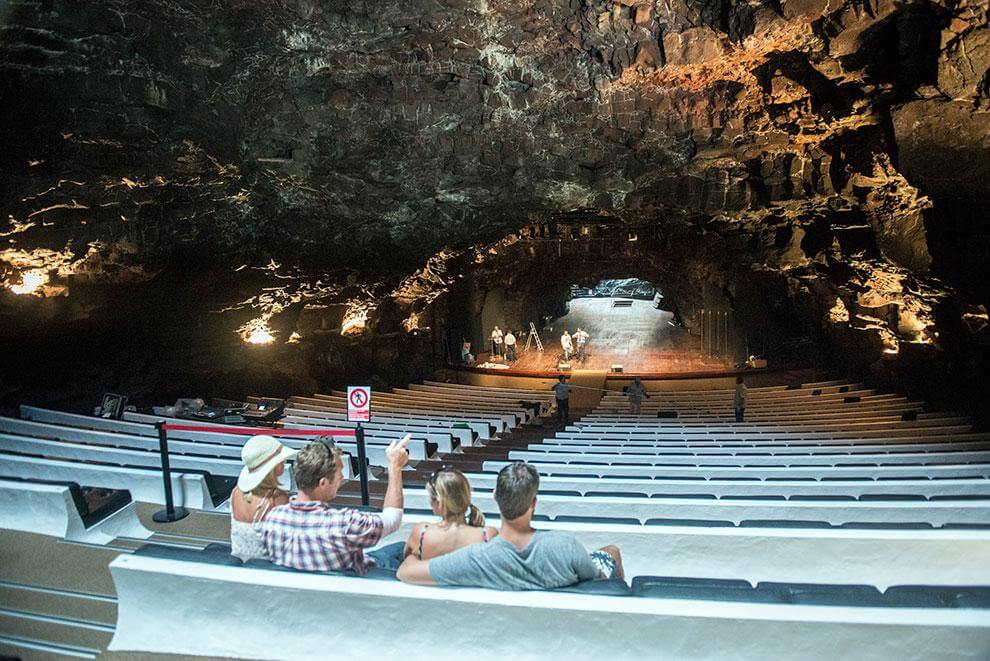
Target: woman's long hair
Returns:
[268, 487]
[451, 489]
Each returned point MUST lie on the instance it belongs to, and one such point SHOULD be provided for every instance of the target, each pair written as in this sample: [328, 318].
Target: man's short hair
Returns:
[316, 460]
[515, 489]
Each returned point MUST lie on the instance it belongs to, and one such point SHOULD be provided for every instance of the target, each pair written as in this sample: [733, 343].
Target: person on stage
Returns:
[497, 343]
[510, 346]
[566, 345]
[581, 339]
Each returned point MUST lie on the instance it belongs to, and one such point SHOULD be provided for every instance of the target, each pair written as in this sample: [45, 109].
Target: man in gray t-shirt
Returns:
[552, 559]
[520, 557]
[562, 395]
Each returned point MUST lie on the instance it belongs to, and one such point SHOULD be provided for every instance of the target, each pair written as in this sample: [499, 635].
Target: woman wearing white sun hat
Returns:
[257, 492]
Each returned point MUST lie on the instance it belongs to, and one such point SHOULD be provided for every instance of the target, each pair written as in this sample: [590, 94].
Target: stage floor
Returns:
[638, 337]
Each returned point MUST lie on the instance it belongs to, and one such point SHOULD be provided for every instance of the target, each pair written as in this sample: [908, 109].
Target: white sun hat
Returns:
[260, 455]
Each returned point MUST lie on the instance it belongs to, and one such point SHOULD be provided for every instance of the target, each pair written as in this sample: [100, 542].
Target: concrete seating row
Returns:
[539, 401]
[702, 505]
[478, 429]
[534, 394]
[669, 617]
[192, 489]
[485, 425]
[861, 397]
[778, 393]
[137, 424]
[629, 458]
[891, 413]
[435, 433]
[198, 454]
[420, 448]
[513, 415]
[59, 509]
[766, 447]
[781, 458]
[746, 483]
[753, 431]
[856, 553]
[460, 435]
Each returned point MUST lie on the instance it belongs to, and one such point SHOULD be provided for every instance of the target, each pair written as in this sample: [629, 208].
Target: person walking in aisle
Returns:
[740, 399]
[562, 393]
[636, 391]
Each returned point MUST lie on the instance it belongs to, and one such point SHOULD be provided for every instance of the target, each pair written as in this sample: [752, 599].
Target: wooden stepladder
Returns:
[533, 335]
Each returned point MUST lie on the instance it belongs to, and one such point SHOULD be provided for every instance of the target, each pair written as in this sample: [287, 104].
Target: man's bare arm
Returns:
[415, 571]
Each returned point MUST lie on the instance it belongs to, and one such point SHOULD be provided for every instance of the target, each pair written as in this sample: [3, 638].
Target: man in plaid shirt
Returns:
[306, 533]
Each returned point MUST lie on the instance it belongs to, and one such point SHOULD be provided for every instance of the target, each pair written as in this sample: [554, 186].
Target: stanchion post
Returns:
[171, 512]
[362, 464]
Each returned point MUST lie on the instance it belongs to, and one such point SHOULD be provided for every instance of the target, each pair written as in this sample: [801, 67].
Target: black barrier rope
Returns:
[171, 513]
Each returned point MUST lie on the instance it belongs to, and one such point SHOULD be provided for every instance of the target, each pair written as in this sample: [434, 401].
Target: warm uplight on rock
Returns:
[354, 321]
[256, 331]
[31, 282]
[839, 313]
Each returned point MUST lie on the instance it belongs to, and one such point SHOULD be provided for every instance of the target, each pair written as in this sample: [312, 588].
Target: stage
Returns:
[634, 334]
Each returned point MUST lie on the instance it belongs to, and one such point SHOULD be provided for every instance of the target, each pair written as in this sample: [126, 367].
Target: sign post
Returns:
[359, 410]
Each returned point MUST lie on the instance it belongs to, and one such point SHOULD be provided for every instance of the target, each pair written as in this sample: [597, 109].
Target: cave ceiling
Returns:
[837, 144]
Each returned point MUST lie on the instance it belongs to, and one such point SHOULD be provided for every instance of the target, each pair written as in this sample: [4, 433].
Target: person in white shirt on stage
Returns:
[581, 340]
[510, 346]
[566, 345]
[497, 343]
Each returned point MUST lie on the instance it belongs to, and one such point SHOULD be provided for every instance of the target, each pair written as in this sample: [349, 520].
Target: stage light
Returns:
[31, 282]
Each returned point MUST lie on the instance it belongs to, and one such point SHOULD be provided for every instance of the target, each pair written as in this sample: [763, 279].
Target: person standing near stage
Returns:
[566, 345]
[496, 343]
[581, 339]
[636, 391]
[562, 393]
[510, 346]
[740, 399]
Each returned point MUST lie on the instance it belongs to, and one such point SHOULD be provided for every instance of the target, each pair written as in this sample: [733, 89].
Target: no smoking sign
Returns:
[359, 403]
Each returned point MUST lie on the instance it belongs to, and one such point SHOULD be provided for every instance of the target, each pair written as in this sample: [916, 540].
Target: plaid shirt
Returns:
[311, 536]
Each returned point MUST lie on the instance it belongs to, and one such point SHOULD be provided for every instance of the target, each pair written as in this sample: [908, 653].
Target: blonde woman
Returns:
[461, 522]
[256, 493]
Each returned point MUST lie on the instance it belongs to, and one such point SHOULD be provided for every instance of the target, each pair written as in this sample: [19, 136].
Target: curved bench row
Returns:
[665, 616]
[59, 509]
[701, 505]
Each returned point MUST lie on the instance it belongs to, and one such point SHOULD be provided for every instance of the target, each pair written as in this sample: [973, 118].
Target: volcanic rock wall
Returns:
[833, 154]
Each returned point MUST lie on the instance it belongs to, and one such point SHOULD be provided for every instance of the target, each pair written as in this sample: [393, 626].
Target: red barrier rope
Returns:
[252, 431]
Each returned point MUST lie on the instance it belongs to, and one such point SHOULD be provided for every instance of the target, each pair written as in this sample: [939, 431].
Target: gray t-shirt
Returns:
[562, 391]
[552, 559]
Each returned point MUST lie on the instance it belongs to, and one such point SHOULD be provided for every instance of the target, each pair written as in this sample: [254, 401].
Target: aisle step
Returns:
[71, 632]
